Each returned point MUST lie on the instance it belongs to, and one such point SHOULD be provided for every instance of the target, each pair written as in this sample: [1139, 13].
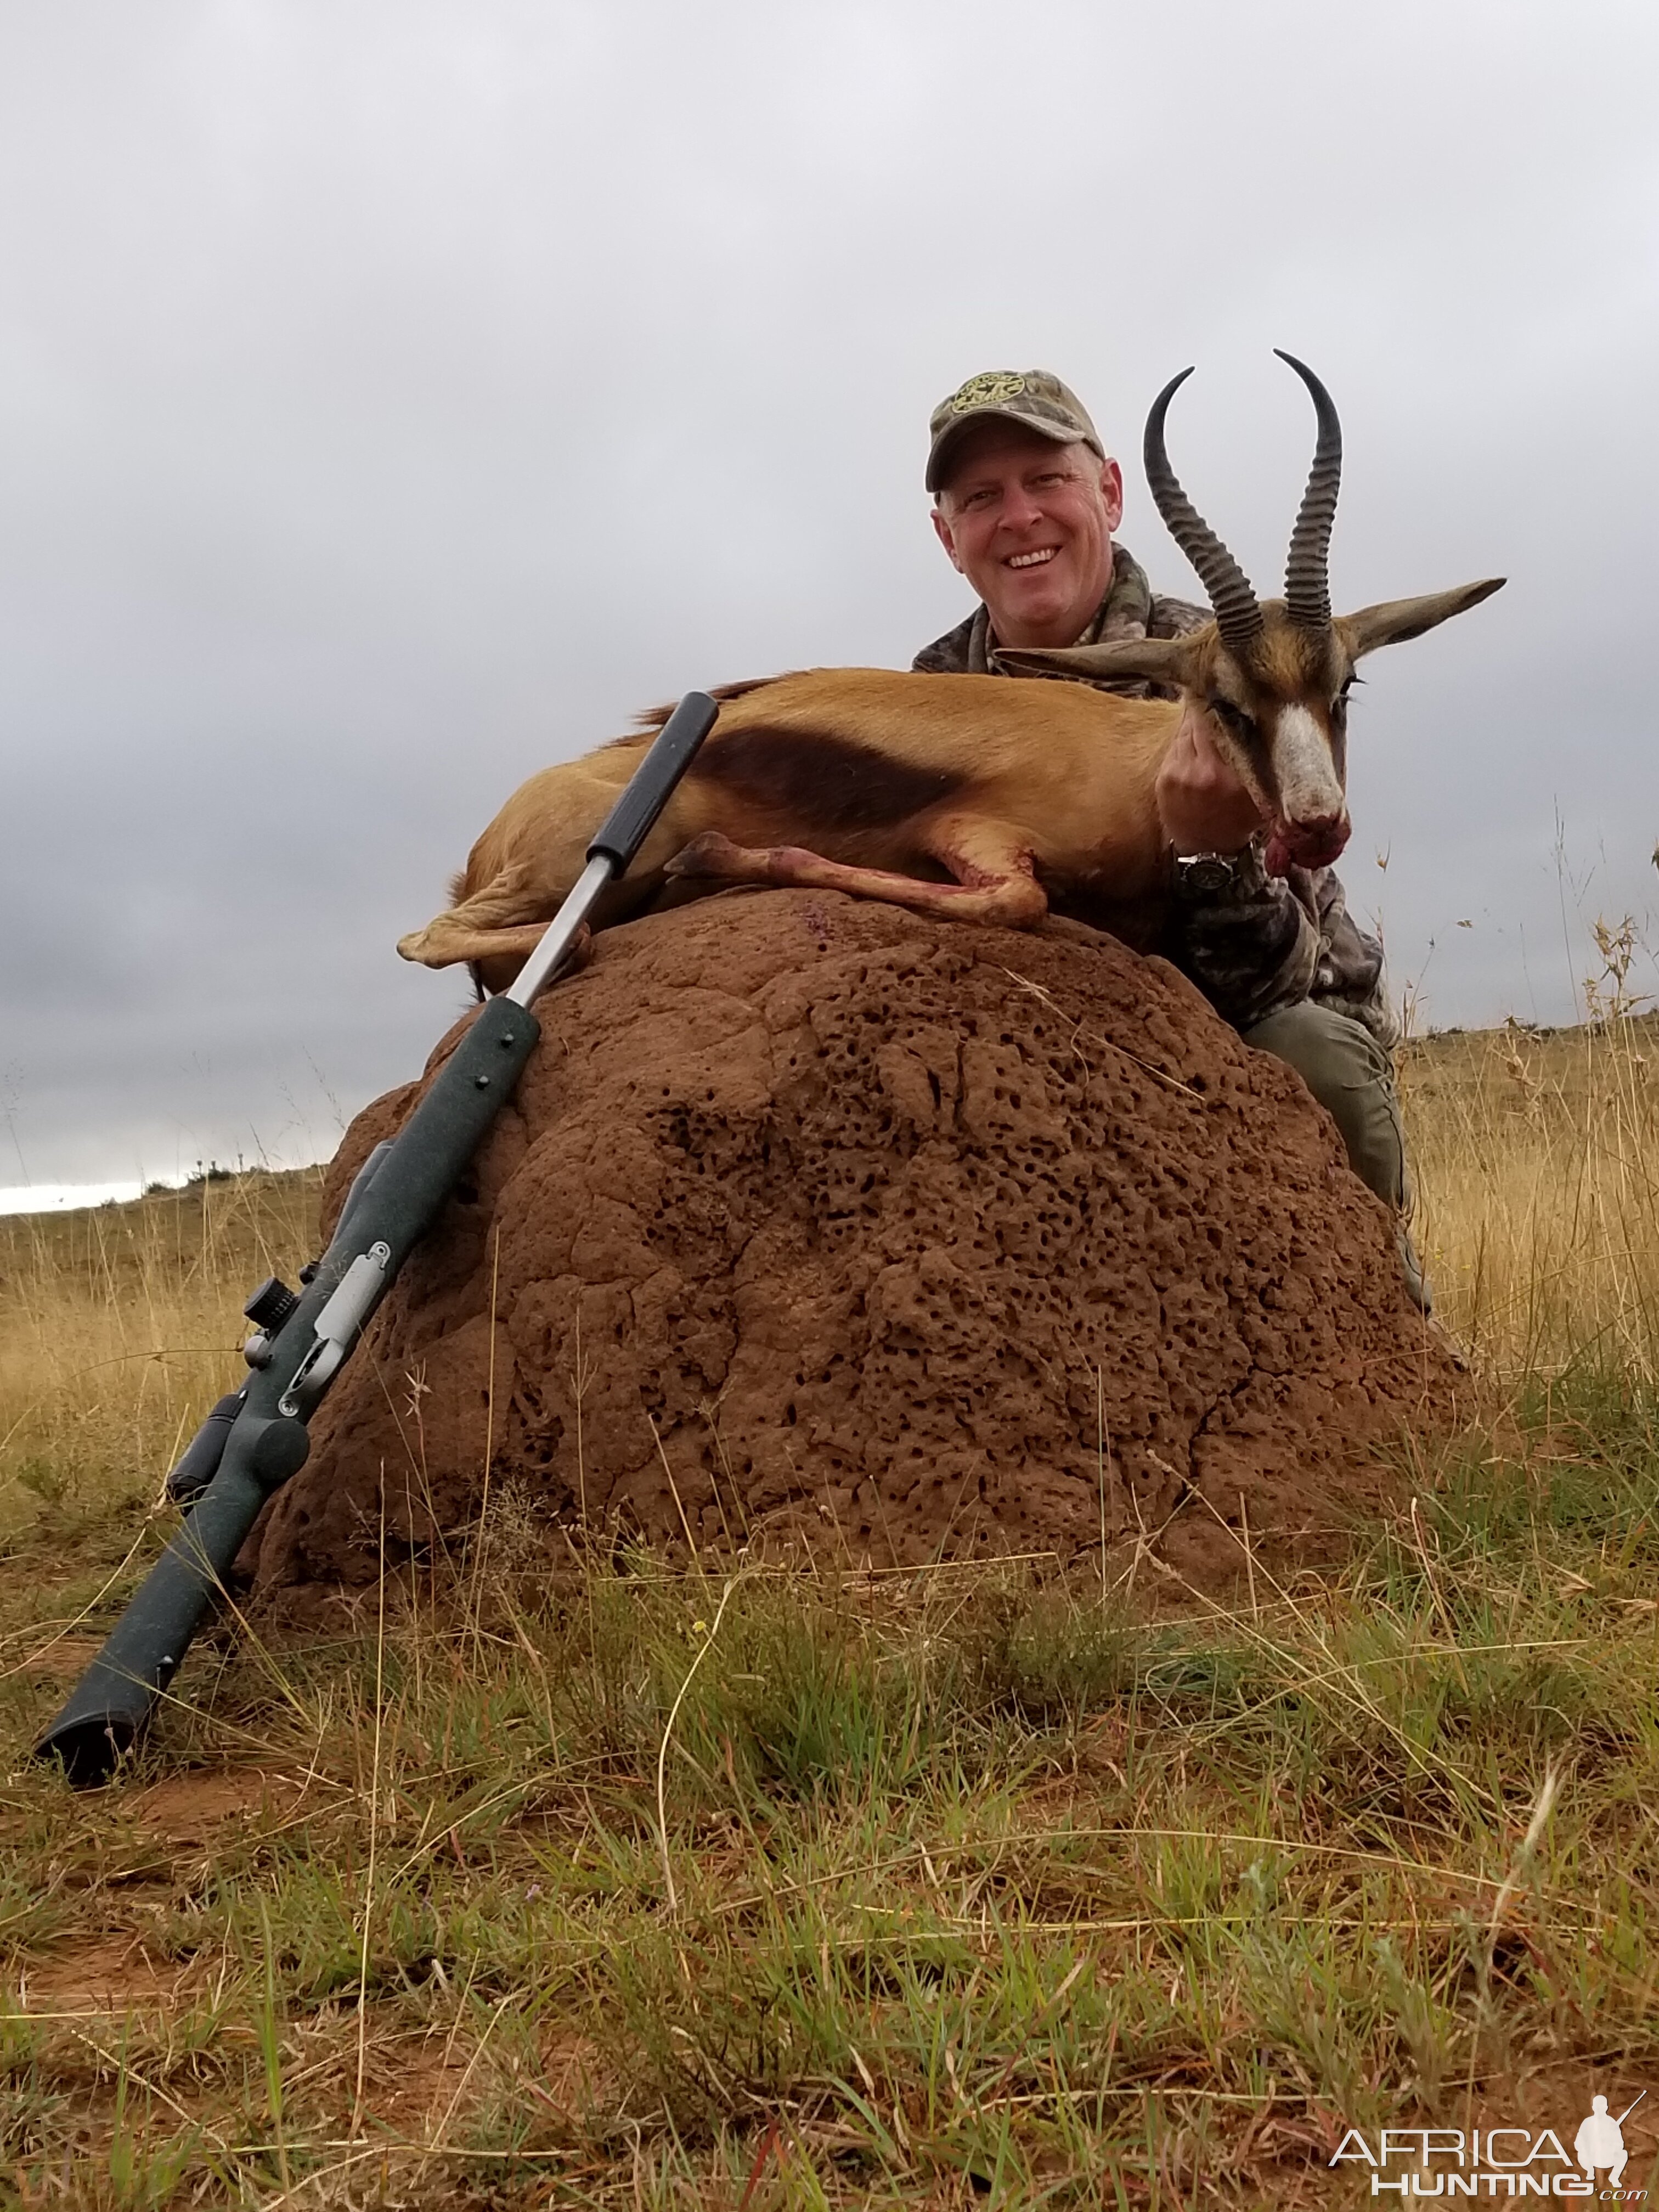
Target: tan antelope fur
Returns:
[973, 796]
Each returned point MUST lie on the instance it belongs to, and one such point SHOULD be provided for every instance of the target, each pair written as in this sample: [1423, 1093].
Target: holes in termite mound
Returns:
[1071, 1247]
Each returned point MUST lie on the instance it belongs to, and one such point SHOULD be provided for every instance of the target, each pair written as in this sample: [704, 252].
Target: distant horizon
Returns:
[25, 1198]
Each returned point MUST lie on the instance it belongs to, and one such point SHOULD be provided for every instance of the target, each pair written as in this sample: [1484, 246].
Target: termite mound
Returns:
[817, 1222]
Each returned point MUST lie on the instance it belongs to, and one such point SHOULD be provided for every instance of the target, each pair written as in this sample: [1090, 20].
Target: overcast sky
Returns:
[393, 398]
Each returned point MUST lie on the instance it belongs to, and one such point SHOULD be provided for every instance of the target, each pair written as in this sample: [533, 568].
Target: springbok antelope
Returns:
[969, 796]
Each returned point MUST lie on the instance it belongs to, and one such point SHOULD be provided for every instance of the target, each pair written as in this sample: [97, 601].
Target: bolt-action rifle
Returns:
[255, 1439]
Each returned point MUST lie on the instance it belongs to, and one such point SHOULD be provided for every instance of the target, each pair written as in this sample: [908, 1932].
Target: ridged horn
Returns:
[1307, 572]
[1238, 617]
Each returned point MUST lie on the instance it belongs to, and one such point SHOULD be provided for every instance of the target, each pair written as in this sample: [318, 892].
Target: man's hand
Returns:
[1203, 806]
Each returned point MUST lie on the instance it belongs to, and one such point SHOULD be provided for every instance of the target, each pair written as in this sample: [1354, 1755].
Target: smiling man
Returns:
[1025, 501]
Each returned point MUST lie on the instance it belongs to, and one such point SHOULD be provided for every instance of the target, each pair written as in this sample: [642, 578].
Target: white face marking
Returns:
[1308, 787]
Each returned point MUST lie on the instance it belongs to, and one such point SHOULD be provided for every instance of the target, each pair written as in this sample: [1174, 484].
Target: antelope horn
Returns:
[1238, 617]
[1307, 572]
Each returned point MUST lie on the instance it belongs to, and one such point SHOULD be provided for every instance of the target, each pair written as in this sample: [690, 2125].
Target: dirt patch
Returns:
[423, 2091]
[105, 1976]
[814, 1220]
[64, 1657]
[109, 1971]
[187, 1809]
[412, 2089]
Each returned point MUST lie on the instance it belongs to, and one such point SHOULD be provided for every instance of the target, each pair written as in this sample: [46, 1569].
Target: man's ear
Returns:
[1111, 492]
[1170, 660]
[942, 532]
[1396, 620]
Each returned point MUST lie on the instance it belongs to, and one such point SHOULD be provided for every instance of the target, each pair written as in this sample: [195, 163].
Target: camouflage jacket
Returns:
[1266, 943]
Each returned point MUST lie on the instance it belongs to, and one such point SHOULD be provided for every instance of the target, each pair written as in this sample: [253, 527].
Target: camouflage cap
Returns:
[1031, 397]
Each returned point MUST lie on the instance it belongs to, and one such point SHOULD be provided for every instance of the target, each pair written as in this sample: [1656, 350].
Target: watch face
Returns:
[1208, 872]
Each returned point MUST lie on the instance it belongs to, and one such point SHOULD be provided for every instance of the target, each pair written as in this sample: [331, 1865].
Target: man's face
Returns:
[1029, 525]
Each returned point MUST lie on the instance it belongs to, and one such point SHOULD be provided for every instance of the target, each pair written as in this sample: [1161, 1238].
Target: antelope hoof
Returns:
[711, 854]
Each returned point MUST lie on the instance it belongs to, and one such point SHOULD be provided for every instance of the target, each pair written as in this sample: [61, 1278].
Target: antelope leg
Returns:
[509, 898]
[994, 883]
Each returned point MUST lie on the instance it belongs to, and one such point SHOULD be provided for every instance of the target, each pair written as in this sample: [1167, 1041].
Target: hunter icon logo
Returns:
[993, 389]
[1600, 2142]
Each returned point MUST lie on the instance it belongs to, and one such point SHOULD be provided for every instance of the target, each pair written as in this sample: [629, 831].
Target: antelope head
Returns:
[1272, 675]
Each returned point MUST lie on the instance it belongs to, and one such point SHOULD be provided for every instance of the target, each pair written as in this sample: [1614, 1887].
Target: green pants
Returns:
[1351, 1076]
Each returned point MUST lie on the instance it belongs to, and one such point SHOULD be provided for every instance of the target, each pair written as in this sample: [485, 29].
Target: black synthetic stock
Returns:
[117, 1695]
[623, 830]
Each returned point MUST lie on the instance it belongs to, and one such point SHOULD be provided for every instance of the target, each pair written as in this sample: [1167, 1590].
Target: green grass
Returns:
[960, 1888]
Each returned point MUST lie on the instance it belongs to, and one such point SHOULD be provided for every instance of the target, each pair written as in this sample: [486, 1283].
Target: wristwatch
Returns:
[1204, 875]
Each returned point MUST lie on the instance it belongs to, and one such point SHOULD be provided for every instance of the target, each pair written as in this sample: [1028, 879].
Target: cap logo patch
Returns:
[993, 389]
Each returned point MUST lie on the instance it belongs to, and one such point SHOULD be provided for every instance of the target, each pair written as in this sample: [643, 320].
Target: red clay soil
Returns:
[913, 1239]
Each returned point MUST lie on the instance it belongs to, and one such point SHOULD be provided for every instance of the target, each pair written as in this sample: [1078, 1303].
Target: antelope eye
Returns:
[1236, 720]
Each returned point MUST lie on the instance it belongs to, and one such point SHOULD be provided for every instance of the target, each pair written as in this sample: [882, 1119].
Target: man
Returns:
[1025, 501]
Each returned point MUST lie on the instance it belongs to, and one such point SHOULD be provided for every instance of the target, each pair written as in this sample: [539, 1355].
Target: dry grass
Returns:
[120, 1327]
[946, 1890]
[1537, 1158]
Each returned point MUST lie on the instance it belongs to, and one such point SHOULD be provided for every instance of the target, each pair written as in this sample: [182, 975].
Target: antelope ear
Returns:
[1395, 620]
[1154, 659]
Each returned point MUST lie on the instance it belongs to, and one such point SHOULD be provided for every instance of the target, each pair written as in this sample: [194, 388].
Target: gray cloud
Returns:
[394, 399]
